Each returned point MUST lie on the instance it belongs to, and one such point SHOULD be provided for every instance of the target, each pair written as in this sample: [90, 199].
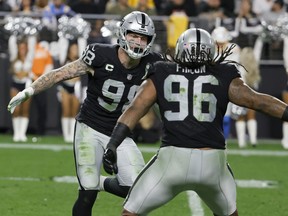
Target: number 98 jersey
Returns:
[192, 103]
[112, 87]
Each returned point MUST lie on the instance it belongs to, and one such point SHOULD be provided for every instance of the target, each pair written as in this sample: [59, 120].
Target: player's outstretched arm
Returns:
[243, 95]
[47, 80]
[68, 71]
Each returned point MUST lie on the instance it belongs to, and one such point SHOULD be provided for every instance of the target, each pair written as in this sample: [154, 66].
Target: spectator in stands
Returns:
[95, 35]
[187, 6]
[86, 7]
[42, 63]
[249, 25]
[143, 6]
[229, 6]
[277, 10]
[14, 4]
[4, 6]
[53, 11]
[26, 7]
[268, 49]
[179, 12]
[70, 91]
[213, 14]
[101, 5]
[212, 9]
[40, 5]
[159, 4]
[118, 7]
[21, 69]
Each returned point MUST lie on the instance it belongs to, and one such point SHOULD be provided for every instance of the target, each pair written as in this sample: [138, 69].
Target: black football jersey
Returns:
[192, 103]
[111, 88]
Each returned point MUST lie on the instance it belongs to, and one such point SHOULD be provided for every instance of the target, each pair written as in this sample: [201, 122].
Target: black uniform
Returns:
[193, 103]
[111, 88]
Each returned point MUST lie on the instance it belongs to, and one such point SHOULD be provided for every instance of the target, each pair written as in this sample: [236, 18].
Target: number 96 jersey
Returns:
[112, 87]
[192, 103]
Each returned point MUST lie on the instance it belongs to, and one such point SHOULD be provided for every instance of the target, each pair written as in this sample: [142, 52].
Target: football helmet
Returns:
[195, 45]
[139, 23]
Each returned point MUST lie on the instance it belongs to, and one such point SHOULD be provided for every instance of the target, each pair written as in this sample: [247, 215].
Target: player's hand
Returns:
[19, 98]
[110, 161]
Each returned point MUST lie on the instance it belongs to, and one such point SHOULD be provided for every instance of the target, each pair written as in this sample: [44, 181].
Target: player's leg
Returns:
[217, 187]
[88, 152]
[159, 182]
[112, 185]
[130, 162]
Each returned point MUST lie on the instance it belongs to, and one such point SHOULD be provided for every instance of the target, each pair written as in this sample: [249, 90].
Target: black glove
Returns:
[110, 161]
[119, 133]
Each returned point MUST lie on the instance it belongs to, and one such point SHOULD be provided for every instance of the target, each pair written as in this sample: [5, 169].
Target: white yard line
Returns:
[52, 147]
[195, 205]
[55, 147]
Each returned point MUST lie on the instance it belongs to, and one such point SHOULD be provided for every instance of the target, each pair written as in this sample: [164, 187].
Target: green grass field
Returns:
[28, 186]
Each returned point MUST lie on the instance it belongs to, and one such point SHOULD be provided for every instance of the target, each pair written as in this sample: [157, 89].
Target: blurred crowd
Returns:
[64, 28]
[244, 19]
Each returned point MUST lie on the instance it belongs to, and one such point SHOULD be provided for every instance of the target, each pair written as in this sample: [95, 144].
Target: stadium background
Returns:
[273, 82]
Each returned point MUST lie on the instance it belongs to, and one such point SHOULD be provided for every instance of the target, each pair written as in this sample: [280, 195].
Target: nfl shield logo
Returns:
[129, 76]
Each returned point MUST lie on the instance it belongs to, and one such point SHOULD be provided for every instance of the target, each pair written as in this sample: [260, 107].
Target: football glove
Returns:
[19, 98]
[110, 160]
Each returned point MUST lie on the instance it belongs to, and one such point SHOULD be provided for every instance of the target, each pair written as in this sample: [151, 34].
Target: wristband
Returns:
[285, 115]
[120, 132]
[29, 91]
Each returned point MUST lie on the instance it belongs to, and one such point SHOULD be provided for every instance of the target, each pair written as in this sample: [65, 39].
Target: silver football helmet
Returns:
[195, 45]
[139, 23]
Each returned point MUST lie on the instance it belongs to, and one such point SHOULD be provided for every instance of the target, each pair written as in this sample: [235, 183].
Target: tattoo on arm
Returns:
[68, 71]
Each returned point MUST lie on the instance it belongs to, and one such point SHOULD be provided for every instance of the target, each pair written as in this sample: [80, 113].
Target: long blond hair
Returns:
[247, 59]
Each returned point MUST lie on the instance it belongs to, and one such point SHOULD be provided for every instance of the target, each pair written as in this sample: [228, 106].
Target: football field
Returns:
[38, 179]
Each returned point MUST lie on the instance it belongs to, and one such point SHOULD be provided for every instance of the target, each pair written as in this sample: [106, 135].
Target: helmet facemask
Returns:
[138, 23]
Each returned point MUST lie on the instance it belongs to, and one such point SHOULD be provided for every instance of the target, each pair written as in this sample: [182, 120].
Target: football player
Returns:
[115, 72]
[192, 93]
